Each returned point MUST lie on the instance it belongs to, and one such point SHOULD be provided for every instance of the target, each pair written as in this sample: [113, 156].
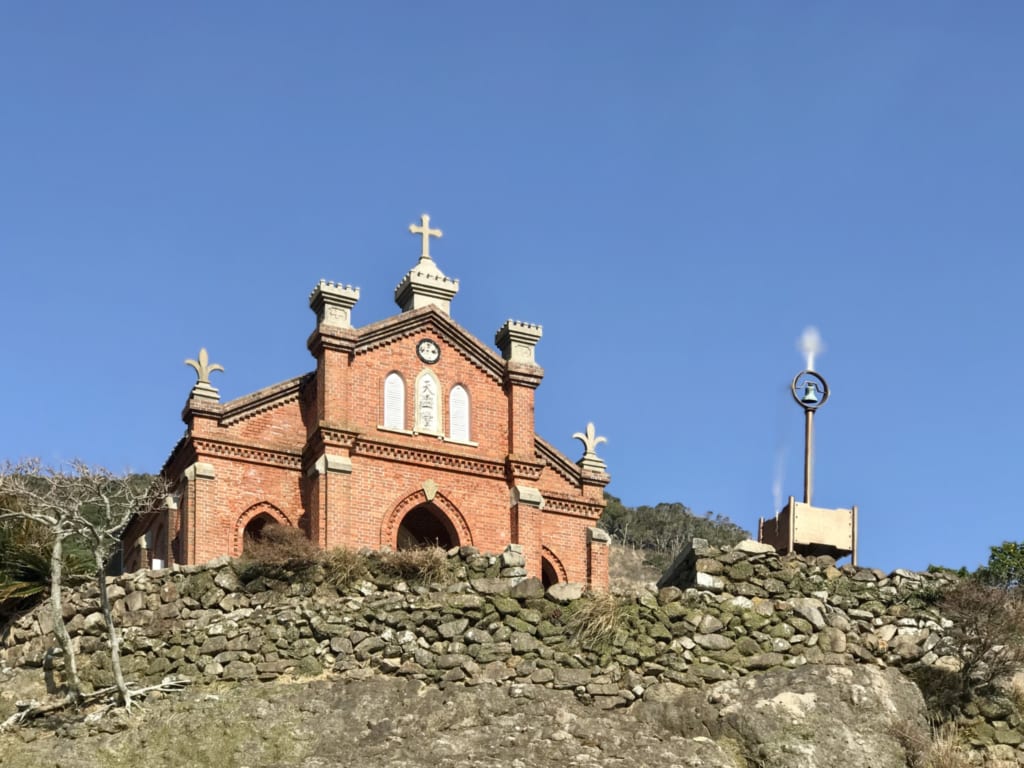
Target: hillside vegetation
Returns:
[658, 533]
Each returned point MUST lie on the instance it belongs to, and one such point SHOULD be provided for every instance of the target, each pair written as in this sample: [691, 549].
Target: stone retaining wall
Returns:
[749, 609]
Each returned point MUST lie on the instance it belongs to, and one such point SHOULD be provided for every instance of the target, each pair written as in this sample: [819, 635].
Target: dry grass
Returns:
[343, 567]
[594, 619]
[280, 551]
[280, 547]
[938, 746]
[422, 565]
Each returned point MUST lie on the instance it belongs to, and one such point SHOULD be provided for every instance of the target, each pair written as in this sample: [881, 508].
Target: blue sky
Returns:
[674, 190]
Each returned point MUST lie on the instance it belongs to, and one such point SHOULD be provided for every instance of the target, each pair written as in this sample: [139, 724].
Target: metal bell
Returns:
[810, 396]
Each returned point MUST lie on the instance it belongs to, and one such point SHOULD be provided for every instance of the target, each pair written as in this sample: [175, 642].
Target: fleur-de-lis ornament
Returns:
[203, 369]
[590, 440]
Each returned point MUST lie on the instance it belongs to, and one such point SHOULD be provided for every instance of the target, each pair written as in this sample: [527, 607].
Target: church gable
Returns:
[429, 322]
[425, 381]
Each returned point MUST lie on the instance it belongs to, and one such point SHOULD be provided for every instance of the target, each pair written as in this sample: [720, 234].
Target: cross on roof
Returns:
[427, 233]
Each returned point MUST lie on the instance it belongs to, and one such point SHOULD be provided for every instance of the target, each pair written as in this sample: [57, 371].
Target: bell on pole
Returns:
[800, 527]
[810, 396]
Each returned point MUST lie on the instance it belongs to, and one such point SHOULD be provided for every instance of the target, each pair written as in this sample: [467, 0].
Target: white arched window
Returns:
[394, 402]
[428, 405]
[458, 410]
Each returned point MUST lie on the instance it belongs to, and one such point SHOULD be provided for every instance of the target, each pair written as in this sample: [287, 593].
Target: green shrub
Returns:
[25, 548]
[1005, 566]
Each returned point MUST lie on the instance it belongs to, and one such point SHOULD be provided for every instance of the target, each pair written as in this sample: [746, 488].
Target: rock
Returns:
[709, 624]
[763, 661]
[752, 547]
[747, 646]
[239, 670]
[491, 586]
[452, 629]
[832, 639]
[740, 572]
[1009, 736]
[94, 623]
[810, 609]
[713, 642]
[570, 678]
[669, 595]
[565, 592]
[809, 717]
[531, 588]
[513, 556]
[711, 583]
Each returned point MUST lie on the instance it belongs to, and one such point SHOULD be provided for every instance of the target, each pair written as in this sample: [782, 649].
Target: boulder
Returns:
[808, 717]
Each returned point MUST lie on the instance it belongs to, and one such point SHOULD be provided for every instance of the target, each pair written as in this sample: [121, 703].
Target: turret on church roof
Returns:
[425, 283]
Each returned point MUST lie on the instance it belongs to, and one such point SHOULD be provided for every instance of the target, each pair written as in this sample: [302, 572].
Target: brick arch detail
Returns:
[260, 508]
[444, 505]
[552, 558]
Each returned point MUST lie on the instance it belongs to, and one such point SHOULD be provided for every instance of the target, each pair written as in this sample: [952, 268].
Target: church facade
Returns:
[409, 432]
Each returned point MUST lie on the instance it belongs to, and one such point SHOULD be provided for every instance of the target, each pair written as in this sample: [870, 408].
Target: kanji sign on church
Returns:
[410, 431]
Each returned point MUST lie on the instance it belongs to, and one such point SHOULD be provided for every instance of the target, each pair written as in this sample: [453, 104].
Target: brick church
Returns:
[410, 431]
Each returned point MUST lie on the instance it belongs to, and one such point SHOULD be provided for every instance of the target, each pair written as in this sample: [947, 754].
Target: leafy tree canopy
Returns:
[663, 530]
[1005, 565]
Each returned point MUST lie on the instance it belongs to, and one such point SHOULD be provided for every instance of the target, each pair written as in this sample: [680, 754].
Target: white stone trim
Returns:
[528, 496]
[330, 462]
[201, 469]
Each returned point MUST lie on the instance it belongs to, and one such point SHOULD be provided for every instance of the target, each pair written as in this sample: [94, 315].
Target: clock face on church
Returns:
[428, 351]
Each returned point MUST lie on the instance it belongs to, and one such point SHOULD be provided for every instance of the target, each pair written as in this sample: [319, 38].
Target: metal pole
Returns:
[808, 452]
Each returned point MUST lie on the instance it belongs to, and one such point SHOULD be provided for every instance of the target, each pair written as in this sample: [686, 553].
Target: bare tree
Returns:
[87, 502]
[107, 504]
[47, 496]
[987, 635]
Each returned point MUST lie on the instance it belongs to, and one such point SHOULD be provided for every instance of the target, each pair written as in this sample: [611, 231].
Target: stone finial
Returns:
[203, 369]
[590, 461]
[518, 341]
[425, 284]
[333, 304]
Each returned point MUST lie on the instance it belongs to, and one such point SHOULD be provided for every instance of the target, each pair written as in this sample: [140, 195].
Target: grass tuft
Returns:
[343, 567]
[594, 619]
[278, 551]
[937, 746]
[421, 565]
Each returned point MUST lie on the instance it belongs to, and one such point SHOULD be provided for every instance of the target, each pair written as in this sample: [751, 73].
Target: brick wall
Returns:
[311, 452]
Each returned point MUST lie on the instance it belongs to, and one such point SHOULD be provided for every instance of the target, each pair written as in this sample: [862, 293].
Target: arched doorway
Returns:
[253, 530]
[426, 526]
[548, 574]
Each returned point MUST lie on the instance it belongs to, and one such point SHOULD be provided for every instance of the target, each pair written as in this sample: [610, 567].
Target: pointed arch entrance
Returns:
[251, 523]
[551, 569]
[417, 521]
[426, 526]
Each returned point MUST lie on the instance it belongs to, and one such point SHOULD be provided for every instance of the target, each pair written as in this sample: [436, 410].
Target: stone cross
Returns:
[427, 233]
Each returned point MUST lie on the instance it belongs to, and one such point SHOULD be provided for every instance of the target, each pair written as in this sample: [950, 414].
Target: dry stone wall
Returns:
[719, 614]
